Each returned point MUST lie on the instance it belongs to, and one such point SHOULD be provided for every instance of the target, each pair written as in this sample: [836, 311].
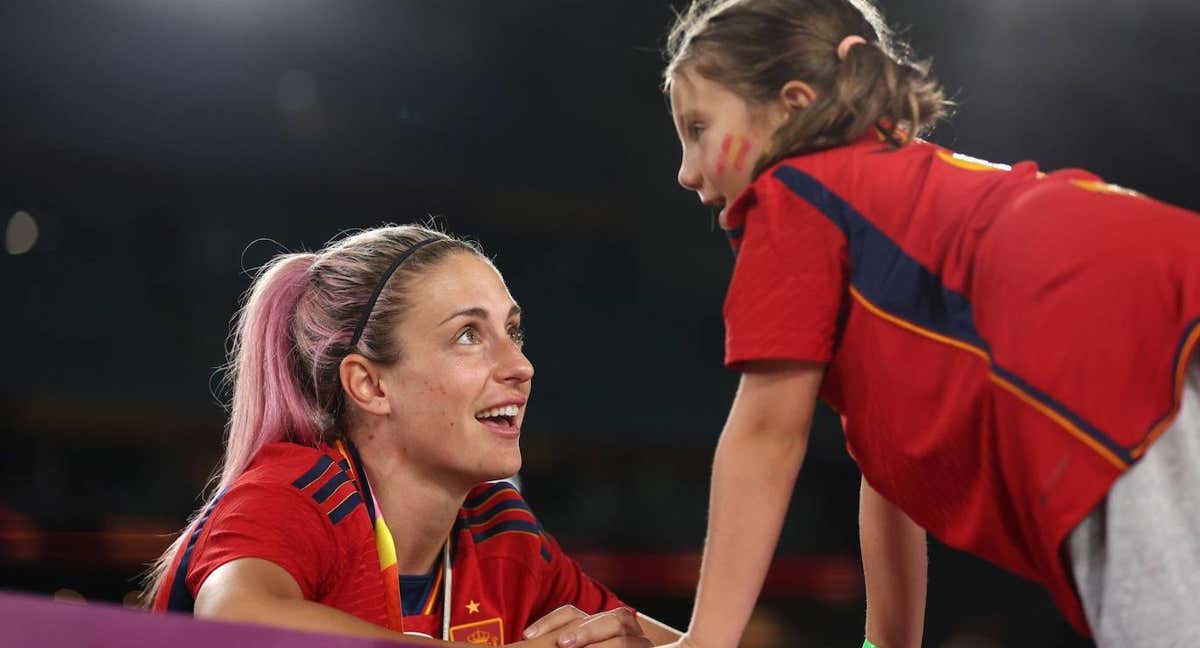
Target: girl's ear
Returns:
[797, 95]
[361, 382]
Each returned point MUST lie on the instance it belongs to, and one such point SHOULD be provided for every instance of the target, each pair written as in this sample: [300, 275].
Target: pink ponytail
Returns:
[267, 405]
[268, 402]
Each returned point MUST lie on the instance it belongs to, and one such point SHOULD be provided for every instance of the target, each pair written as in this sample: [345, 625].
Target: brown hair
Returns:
[754, 47]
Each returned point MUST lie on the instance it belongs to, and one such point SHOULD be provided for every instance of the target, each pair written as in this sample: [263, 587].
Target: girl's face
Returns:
[722, 137]
[459, 391]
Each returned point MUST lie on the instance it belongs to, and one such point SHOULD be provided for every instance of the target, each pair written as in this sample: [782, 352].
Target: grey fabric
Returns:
[1136, 557]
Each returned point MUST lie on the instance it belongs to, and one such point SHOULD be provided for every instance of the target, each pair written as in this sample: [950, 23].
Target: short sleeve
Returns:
[274, 522]
[789, 278]
[567, 584]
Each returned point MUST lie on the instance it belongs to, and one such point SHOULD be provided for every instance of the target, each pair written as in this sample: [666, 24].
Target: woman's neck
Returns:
[418, 509]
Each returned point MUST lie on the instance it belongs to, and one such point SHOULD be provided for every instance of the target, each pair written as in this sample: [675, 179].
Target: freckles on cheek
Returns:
[733, 153]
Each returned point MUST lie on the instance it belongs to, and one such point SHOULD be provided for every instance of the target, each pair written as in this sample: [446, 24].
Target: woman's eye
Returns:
[468, 336]
[517, 335]
[695, 130]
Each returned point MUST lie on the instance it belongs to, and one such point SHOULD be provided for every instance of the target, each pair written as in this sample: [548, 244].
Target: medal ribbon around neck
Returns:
[385, 546]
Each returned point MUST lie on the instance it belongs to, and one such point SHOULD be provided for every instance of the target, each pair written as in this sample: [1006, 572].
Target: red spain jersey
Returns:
[302, 509]
[1001, 343]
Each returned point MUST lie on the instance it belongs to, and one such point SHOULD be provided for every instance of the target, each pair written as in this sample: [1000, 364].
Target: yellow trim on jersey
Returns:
[1189, 347]
[1070, 427]
[433, 592]
[1099, 186]
[1058, 418]
[970, 163]
[917, 329]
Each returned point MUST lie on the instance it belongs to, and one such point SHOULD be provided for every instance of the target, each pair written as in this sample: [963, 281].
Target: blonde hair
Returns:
[291, 334]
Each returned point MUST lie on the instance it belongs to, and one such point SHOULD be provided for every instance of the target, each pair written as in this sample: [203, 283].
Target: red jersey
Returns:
[1001, 343]
[303, 509]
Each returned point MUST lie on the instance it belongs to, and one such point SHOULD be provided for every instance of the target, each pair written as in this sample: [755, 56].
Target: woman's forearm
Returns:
[252, 590]
[895, 568]
[300, 614]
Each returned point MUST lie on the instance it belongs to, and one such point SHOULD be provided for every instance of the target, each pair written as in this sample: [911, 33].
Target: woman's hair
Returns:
[292, 332]
[754, 47]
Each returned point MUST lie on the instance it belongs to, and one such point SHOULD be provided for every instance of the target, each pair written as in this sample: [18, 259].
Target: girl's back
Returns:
[990, 379]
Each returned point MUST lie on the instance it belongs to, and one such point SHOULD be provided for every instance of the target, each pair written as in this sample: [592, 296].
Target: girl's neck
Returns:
[419, 510]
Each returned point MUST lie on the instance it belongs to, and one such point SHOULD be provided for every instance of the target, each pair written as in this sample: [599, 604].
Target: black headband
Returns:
[362, 323]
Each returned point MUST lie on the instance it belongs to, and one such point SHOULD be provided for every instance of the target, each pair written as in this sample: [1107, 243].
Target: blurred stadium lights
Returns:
[21, 234]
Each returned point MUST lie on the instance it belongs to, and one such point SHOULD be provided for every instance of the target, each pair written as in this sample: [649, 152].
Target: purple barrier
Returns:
[27, 620]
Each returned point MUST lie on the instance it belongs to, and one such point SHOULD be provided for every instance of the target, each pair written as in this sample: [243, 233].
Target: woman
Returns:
[379, 388]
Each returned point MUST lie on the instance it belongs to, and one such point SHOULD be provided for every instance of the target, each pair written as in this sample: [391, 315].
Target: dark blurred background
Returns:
[147, 148]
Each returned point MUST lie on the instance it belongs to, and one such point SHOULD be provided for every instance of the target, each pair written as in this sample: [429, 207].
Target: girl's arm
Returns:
[757, 460]
[895, 567]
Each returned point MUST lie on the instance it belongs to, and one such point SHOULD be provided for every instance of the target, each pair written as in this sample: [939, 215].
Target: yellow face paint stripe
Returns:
[1071, 428]
[732, 154]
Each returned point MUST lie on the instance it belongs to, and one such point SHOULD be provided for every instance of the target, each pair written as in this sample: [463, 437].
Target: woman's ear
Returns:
[797, 95]
[361, 382]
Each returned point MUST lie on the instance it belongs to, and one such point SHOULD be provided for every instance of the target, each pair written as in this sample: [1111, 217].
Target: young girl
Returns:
[379, 385]
[1011, 351]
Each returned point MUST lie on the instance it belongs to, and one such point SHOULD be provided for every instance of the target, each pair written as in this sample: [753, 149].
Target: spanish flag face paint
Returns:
[722, 137]
[732, 154]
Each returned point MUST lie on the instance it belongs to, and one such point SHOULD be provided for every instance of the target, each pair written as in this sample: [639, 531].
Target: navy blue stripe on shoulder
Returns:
[180, 599]
[507, 525]
[335, 482]
[898, 284]
[313, 473]
[492, 511]
[347, 506]
[883, 272]
[476, 500]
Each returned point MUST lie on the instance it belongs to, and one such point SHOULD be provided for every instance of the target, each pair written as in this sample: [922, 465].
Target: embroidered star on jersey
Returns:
[473, 607]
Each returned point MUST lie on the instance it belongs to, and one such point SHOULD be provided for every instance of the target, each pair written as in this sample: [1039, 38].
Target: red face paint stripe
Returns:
[725, 145]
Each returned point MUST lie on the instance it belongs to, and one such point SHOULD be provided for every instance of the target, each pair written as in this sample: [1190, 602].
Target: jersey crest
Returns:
[489, 632]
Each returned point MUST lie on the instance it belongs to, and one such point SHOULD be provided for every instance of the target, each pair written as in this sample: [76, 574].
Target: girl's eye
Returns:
[517, 335]
[695, 130]
[468, 336]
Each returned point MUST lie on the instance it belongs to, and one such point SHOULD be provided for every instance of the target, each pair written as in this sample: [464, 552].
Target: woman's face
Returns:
[459, 391]
[722, 138]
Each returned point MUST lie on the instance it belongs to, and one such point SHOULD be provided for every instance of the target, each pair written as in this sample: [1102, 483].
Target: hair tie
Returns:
[366, 316]
[843, 47]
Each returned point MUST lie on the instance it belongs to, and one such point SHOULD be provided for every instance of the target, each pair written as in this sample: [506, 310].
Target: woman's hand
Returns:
[569, 627]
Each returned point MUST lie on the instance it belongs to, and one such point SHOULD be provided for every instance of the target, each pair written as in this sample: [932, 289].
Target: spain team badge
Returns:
[489, 632]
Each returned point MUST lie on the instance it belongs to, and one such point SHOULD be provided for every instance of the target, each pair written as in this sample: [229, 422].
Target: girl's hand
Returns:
[684, 642]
